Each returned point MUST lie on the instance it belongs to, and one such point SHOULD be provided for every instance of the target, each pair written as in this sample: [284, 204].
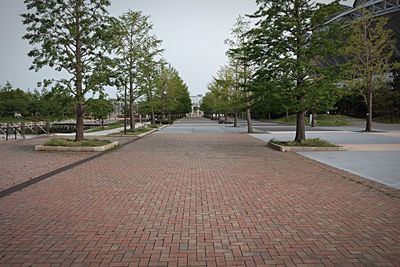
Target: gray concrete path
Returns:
[374, 156]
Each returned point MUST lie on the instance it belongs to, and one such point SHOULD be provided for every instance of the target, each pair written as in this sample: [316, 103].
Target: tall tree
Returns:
[370, 47]
[133, 42]
[241, 67]
[100, 108]
[148, 79]
[174, 93]
[68, 36]
[222, 96]
[288, 46]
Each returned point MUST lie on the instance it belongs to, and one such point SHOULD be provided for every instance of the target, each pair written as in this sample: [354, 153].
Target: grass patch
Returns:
[322, 120]
[386, 120]
[108, 127]
[19, 120]
[135, 131]
[316, 142]
[72, 143]
[153, 126]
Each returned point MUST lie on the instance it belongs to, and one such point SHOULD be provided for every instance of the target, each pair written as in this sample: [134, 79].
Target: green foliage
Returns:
[134, 45]
[99, 108]
[169, 96]
[69, 36]
[72, 143]
[371, 48]
[287, 48]
[306, 143]
[55, 104]
[14, 101]
[223, 94]
[174, 98]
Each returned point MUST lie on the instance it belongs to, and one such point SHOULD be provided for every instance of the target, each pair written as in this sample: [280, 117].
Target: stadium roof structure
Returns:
[376, 7]
[388, 8]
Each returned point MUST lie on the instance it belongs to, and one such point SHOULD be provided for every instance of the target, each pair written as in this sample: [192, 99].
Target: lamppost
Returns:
[163, 95]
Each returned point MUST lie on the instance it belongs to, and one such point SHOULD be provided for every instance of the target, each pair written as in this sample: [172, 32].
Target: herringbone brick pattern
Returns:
[199, 200]
[19, 161]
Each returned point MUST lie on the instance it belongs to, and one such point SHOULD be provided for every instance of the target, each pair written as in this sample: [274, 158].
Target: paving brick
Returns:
[197, 200]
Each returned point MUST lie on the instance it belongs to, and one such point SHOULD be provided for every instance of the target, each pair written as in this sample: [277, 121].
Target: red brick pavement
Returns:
[19, 161]
[200, 200]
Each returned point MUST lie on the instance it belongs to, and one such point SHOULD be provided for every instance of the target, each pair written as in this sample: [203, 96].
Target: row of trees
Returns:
[94, 50]
[54, 104]
[285, 61]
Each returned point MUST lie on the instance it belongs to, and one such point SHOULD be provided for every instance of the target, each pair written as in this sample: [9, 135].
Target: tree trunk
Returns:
[80, 96]
[102, 123]
[368, 127]
[235, 120]
[79, 121]
[300, 127]
[249, 123]
[153, 118]
[225, 117]
[131, 105]
[125, 109]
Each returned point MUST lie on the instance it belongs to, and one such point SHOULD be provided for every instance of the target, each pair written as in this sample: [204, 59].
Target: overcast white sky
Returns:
[193, 34]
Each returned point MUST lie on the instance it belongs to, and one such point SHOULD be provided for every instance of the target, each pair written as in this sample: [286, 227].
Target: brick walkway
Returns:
[19, 161]
[203, 199]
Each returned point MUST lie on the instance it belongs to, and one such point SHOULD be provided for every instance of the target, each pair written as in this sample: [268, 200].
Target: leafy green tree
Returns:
[222, 93]
[370, 47]
[100, 108]
[242, 70]
[176, 98]
[133, 42]
[13, 100]
[55, 104]
[149, 79]
[287, 48]
[69, 36]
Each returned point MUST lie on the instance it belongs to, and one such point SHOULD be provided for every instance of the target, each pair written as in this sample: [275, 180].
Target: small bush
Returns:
[316, 142]
[72, 143]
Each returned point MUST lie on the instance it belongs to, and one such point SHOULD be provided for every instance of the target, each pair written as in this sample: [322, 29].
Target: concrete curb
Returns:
[76, 149]
[137, 135]
[303, 148]
[147, 133]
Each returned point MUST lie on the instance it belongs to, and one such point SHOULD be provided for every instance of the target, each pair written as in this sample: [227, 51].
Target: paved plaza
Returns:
[194, 194]
[375, 156]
